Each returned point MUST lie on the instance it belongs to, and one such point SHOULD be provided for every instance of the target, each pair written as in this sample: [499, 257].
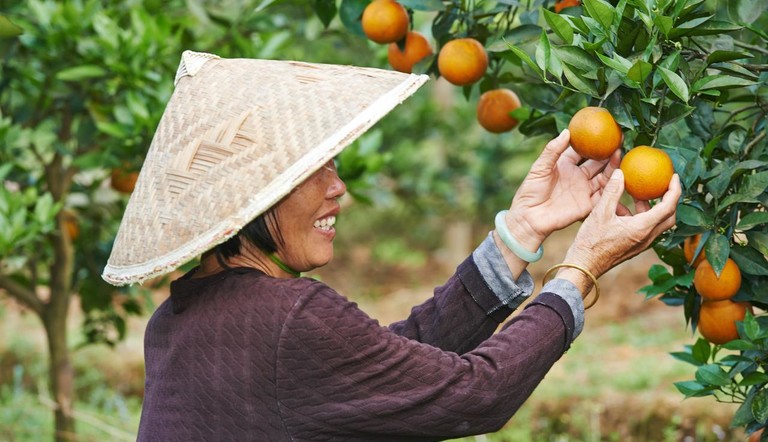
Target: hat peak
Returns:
[191, 63]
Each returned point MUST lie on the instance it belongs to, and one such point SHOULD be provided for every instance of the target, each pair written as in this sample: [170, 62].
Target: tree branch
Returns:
[22, 294]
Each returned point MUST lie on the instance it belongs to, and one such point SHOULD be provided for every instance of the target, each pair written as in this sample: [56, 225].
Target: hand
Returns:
[610, 234]
[560, 189]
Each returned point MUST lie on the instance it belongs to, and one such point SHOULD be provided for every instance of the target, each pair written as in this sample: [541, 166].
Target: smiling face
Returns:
[306, 218]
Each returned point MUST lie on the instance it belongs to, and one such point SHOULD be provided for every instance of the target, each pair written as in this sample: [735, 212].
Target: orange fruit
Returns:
[462, 61]
[493, 110]
[416, 49]
[70, 224]
[717, 320]
[594, 133]
[647, 172]
[689, 249]
[562, 4]
[755, 437]
[123, 180]
[712, 288]
[385, 21]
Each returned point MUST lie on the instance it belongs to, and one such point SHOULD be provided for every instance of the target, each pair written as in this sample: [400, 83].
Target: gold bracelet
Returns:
[583, 270]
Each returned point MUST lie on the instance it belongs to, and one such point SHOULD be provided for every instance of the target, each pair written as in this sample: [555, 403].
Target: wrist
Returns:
[523, 231]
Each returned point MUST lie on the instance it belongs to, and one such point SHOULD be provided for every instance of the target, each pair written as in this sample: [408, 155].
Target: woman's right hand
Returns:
[611, 235]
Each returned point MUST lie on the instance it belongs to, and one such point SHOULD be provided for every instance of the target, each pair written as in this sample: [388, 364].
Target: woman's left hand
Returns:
[560, 189]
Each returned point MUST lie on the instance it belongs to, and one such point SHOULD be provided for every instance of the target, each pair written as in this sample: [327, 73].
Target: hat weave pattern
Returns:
[237, 136]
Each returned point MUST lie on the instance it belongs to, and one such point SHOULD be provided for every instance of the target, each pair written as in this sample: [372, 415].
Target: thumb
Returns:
[551, 153]
[612, 192]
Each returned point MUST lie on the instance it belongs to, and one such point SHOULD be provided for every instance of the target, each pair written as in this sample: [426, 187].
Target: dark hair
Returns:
[256, 232]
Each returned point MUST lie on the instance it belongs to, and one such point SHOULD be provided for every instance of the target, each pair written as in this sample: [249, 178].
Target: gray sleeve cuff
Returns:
[497, 275]
[566, 290]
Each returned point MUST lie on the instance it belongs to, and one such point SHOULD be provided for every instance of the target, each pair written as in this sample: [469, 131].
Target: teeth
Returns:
[325, 223]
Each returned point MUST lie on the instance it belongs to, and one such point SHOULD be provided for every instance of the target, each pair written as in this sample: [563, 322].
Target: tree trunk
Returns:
[61, 376]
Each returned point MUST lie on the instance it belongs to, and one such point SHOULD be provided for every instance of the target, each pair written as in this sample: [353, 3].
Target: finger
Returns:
[641, 206]
[666, 208]
[592, 168]
[622, 210]
[609, 200]
[570, 156]
[551, 153]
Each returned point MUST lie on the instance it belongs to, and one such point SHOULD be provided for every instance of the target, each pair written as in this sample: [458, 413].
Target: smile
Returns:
[325, 223]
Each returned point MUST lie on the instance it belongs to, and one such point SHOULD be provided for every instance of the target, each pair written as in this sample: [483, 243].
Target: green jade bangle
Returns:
[511, 242]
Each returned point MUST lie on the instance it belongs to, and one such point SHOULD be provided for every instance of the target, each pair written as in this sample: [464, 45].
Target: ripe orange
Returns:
[562, 4]
[493, 110]
[755, 437]
[385, 21]
[712, 288]
[689, 248]
[647, 172]
[594, 133]
[416, 49]
[462, 61]
[70, 224]
[123, 180]
[717, 320]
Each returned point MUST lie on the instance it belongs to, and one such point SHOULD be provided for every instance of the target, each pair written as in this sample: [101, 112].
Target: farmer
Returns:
[241, 172]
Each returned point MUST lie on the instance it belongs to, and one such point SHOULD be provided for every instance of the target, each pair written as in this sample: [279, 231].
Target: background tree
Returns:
[687, 76]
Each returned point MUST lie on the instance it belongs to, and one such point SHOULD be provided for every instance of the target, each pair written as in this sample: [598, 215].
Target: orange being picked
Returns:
[594, 133]
[416, 49]
[712, 288]
[123, 180]
[717, 320]
[385, 21]
[462, 61]
[493, 110]
[689, 249]
[647, 172]
[562, 4]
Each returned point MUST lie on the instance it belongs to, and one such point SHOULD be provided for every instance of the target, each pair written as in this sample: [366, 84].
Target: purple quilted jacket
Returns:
[241, 356]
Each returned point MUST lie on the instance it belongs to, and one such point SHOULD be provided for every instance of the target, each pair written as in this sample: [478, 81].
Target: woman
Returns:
[246, 349]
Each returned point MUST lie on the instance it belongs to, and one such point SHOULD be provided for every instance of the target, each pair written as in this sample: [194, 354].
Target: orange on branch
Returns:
[385, 21]
[70, 224]
[493, 110]
[689, 249]
[562, 4]
[594, 133]
[647, 172]
[712, 288]
[717, 320]
[417, 48]
[123, 180]
[462, 61]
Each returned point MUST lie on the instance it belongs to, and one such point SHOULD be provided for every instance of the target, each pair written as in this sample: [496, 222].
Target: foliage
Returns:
[687, 76]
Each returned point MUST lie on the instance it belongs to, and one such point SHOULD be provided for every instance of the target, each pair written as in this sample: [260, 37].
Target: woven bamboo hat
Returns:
[236, 136]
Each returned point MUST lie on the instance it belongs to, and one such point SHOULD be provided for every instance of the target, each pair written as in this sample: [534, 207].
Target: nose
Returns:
[337, 188]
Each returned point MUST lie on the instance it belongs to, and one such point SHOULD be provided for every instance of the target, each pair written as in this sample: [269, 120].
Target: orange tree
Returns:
[687, 76]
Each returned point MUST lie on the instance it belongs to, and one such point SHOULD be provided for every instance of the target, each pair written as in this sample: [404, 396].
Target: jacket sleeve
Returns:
[342, 376]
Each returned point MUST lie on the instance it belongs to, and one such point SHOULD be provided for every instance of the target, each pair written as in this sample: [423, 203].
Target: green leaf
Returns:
[579, 82]
[740, 345]
[685, 357]
[752, 219]
[601, 11]
[691, 216]
[749, 260]
[675, 82]
[559, 25]
[718, 249]
[522, 55]
[350, 13]
[758, 241]
[692, 389]
[712, 374]
[751, 327]
[755, 377]
[618, 63]
[576, 57]
[760, 406]
[665, 24]
[325, 10]
[743, 414]
[639, 71]
[80, 73]
[720, 82]
[423, 5]
[720, 56]
[701, 351]
[9, 29]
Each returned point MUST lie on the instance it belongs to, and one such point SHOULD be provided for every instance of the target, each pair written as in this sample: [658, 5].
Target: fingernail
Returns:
[617, 174]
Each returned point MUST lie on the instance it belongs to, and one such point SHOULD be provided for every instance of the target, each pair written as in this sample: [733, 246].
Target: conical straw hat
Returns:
[236, 136]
